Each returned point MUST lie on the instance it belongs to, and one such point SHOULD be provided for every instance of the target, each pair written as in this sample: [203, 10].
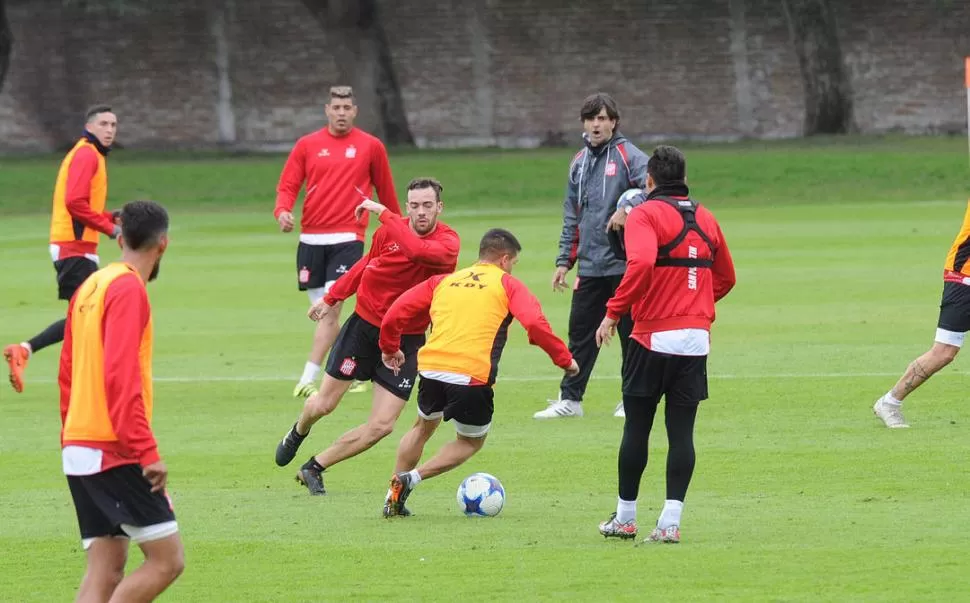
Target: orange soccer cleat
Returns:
[16, 356]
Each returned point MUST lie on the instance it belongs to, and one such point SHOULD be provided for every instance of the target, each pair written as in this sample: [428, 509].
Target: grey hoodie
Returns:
[597, 178]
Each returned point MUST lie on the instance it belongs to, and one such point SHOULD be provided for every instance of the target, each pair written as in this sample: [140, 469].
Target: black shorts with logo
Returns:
[468, 404]
[955, 308]
[679, 379]
[71, 274]
[356, 356]
[317, 265]
[120, 496]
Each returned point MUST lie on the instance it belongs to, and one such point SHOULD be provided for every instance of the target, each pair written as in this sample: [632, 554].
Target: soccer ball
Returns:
[627, 196]
[482, 495]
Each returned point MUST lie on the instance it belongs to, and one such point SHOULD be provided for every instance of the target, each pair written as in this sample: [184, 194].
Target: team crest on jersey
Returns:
[348, 366]
[324, 153]
[611, 168]
[351, 152]
[304, 275]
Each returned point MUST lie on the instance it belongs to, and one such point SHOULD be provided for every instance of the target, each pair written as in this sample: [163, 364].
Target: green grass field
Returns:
[799, 493]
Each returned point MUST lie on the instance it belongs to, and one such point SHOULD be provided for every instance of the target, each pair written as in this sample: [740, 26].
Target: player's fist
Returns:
[617, 220]
[369, 205]
[285, 220]
[573, 369]
[605, 331]
[157, 475]
[393, 361]
[559, 279]
[318, 310]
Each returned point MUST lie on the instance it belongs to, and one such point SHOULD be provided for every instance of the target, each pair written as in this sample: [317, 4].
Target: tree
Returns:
[6, 43]
[363, 56]
[828, 97]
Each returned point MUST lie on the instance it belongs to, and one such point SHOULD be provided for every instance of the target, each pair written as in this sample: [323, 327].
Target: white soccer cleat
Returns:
[619, 412]
[560, 409]
[891, 414]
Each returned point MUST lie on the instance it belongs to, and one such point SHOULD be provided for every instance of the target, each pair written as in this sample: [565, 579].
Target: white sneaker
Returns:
[559, 409]
[619, 412]
[891, 414]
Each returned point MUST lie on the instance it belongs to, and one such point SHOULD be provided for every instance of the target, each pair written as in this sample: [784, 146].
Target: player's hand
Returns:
[393, 361]
[116, 216]
[115, 232]
[559, 279]
[617, 220]
[319, 310]
[573, 369]
[369, 205]
[157, 475]
[286, 221]
[605, 332]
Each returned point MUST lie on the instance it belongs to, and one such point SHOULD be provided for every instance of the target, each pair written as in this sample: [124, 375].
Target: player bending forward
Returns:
[470, 312]
[403, 253]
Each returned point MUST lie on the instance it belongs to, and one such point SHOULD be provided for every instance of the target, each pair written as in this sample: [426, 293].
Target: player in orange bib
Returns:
[470, 311]
[951, 329]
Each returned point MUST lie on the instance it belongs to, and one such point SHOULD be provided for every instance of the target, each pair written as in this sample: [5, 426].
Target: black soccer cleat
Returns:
[286, 449]
[398, 493]
[312, 479]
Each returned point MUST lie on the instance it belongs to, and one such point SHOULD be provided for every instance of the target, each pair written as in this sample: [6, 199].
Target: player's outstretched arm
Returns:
[526, 309]
[640, 239]
[414, 302]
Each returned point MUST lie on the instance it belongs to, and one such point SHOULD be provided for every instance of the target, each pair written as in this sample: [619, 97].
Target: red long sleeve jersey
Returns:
[105, 374]
[334, 168]
[667, 298]
[398, 259]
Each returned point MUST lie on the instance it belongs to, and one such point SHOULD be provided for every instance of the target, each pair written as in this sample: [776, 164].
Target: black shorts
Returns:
[317, 265]
[955, 308]
[471, 406]
[71, 274]
[679, 379]
[356, 356]
[114, 502]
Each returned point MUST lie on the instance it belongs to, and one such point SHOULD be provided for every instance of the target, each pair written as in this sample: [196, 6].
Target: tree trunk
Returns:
[363, 59]
[828, 98]
[220, 16]
[6, 43]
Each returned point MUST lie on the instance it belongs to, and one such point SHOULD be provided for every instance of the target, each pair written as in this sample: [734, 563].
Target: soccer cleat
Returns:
[397, 495]
[286, 449]
[612, 528]
[359, 387]
[304, 390]
[312, 479]
[891, 414]
[559, 409]
[16, 356]
[668, 535]
[620, 412]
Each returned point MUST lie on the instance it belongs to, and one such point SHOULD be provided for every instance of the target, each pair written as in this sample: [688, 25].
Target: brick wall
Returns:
[509, 72]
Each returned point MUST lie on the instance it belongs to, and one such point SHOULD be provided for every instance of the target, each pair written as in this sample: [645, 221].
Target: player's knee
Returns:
[171, 566]
[321, 405]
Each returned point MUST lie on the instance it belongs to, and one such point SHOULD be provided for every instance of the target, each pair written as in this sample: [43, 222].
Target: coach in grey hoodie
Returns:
[606, 167]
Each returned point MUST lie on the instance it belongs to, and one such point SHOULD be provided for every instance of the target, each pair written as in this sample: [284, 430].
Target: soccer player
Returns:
[340, 164]
[114, 471]
[403, 253]
[470, 311]
[77, 222]
[678, 266]
[607, 166]
[951, 328]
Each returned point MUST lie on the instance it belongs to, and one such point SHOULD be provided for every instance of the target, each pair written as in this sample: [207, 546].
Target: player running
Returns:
[339, 164]
[678, 266]
[470, 311]
[77, 223]
[403, 252]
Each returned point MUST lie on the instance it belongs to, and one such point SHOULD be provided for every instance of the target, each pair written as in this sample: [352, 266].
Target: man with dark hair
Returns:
[114, 471]
[403, 253]
[606, 167]
[340, 164]
[678, 266]
[471, 311]
[77, 222]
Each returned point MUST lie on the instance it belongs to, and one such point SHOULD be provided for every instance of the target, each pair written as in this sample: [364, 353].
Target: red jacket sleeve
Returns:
[83, 167]
[291, 179]
[64, 374]
[126, 314]
[640, 238]
[347, 284]
[439, 252]
[526, 309]
[380, 175]
[723, 268]
[411, 303]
